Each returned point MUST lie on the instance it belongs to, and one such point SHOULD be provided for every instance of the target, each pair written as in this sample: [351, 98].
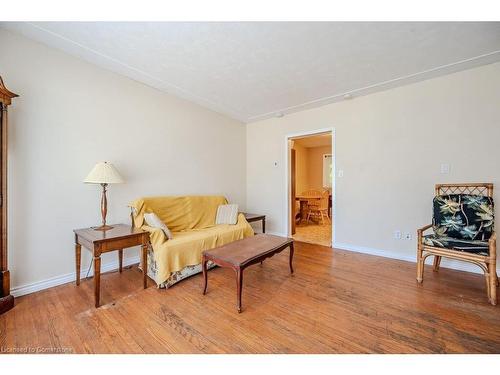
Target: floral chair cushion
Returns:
[463, 217]
[469, 246]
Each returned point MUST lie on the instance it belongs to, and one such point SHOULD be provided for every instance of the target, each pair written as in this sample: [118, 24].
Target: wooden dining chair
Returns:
[310, 202]
[329, 192]
[320, 208]
[311, 193]
[463, 225]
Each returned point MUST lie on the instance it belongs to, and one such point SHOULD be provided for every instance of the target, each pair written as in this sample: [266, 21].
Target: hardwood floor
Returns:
[336, 302]
[319, 234]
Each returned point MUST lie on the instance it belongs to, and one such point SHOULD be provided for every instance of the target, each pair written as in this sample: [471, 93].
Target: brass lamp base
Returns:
[104, 210]
[103, 227]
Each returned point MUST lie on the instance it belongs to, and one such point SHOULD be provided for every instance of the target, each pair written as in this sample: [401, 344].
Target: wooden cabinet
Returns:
[6, 299]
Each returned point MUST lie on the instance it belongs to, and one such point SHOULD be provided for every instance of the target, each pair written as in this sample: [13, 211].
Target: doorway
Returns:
[311, 187]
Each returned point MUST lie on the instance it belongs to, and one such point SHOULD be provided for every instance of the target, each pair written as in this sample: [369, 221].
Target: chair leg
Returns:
[328, 220]
[488, 286]
[420, 263]
[493, 282]
[437, 263]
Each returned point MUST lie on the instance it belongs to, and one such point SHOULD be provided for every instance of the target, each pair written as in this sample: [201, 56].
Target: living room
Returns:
[156, 182]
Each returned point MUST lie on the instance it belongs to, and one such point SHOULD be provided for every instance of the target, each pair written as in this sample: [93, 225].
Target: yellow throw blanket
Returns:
[192, 221]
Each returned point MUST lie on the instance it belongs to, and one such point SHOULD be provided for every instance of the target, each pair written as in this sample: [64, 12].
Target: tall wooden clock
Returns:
[6, 299]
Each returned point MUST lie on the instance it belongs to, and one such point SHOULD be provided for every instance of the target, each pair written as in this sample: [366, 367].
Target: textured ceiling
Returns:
[251, 71]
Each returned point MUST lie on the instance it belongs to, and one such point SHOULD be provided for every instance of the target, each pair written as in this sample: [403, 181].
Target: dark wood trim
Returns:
[6, 300]
[6, 303]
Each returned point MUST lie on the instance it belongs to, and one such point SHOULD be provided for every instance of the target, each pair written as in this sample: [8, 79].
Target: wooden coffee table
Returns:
[240, 254]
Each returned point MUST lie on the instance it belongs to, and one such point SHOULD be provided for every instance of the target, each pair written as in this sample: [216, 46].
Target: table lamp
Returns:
[104, 173]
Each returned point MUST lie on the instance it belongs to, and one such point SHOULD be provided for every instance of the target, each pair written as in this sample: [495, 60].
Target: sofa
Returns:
[191, 219]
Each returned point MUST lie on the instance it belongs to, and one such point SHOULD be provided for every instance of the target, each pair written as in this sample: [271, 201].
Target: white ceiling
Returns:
[251, 71]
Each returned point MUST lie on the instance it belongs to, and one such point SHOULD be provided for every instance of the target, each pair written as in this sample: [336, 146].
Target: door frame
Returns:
[288, 188]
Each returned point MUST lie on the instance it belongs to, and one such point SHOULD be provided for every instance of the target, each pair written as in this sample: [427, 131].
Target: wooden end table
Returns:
[238, 255]
[120, 236]
[256, 217]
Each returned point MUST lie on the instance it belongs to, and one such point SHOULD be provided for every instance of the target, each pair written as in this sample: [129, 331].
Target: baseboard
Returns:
[67, 278]
[445, 263]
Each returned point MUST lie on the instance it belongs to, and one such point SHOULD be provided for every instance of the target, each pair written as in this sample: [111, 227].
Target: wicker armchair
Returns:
[463, 225]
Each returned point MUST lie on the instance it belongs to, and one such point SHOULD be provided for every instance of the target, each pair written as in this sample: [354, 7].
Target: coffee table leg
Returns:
[204, 269]
[291, 257]
[239, 286]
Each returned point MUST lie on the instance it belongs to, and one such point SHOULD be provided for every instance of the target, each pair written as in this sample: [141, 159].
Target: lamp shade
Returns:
[104, 173]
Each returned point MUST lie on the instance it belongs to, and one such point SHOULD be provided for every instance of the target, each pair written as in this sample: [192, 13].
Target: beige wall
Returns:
[309, 166]
[390, 146]
[315, 166]
[70, 115]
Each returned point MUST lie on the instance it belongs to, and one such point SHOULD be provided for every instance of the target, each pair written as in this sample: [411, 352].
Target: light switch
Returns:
[445, 168]
[341, 173]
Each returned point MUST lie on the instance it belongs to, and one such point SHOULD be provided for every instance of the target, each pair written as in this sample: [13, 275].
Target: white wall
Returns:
[390, 146]
[70, 115]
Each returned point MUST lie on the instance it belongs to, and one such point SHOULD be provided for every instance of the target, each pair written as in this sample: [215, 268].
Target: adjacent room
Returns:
[311, 177]
[249, 187]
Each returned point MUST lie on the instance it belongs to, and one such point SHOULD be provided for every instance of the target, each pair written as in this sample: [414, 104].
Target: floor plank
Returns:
[336, 302]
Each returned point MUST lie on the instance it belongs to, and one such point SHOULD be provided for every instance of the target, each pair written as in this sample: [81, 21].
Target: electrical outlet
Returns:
[407, 236]
[397, 234]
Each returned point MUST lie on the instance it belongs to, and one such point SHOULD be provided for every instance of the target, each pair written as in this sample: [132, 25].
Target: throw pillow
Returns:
[227, 214]
[154, 221]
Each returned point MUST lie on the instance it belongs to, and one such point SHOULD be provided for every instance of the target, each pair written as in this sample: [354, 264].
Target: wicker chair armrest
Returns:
[420, 231]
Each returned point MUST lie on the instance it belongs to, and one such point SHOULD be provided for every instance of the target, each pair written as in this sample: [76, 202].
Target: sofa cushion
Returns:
[476, 247]
[227, 214]
[463, 216]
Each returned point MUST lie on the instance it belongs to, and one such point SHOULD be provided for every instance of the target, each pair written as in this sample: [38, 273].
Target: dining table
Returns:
[304, 199]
